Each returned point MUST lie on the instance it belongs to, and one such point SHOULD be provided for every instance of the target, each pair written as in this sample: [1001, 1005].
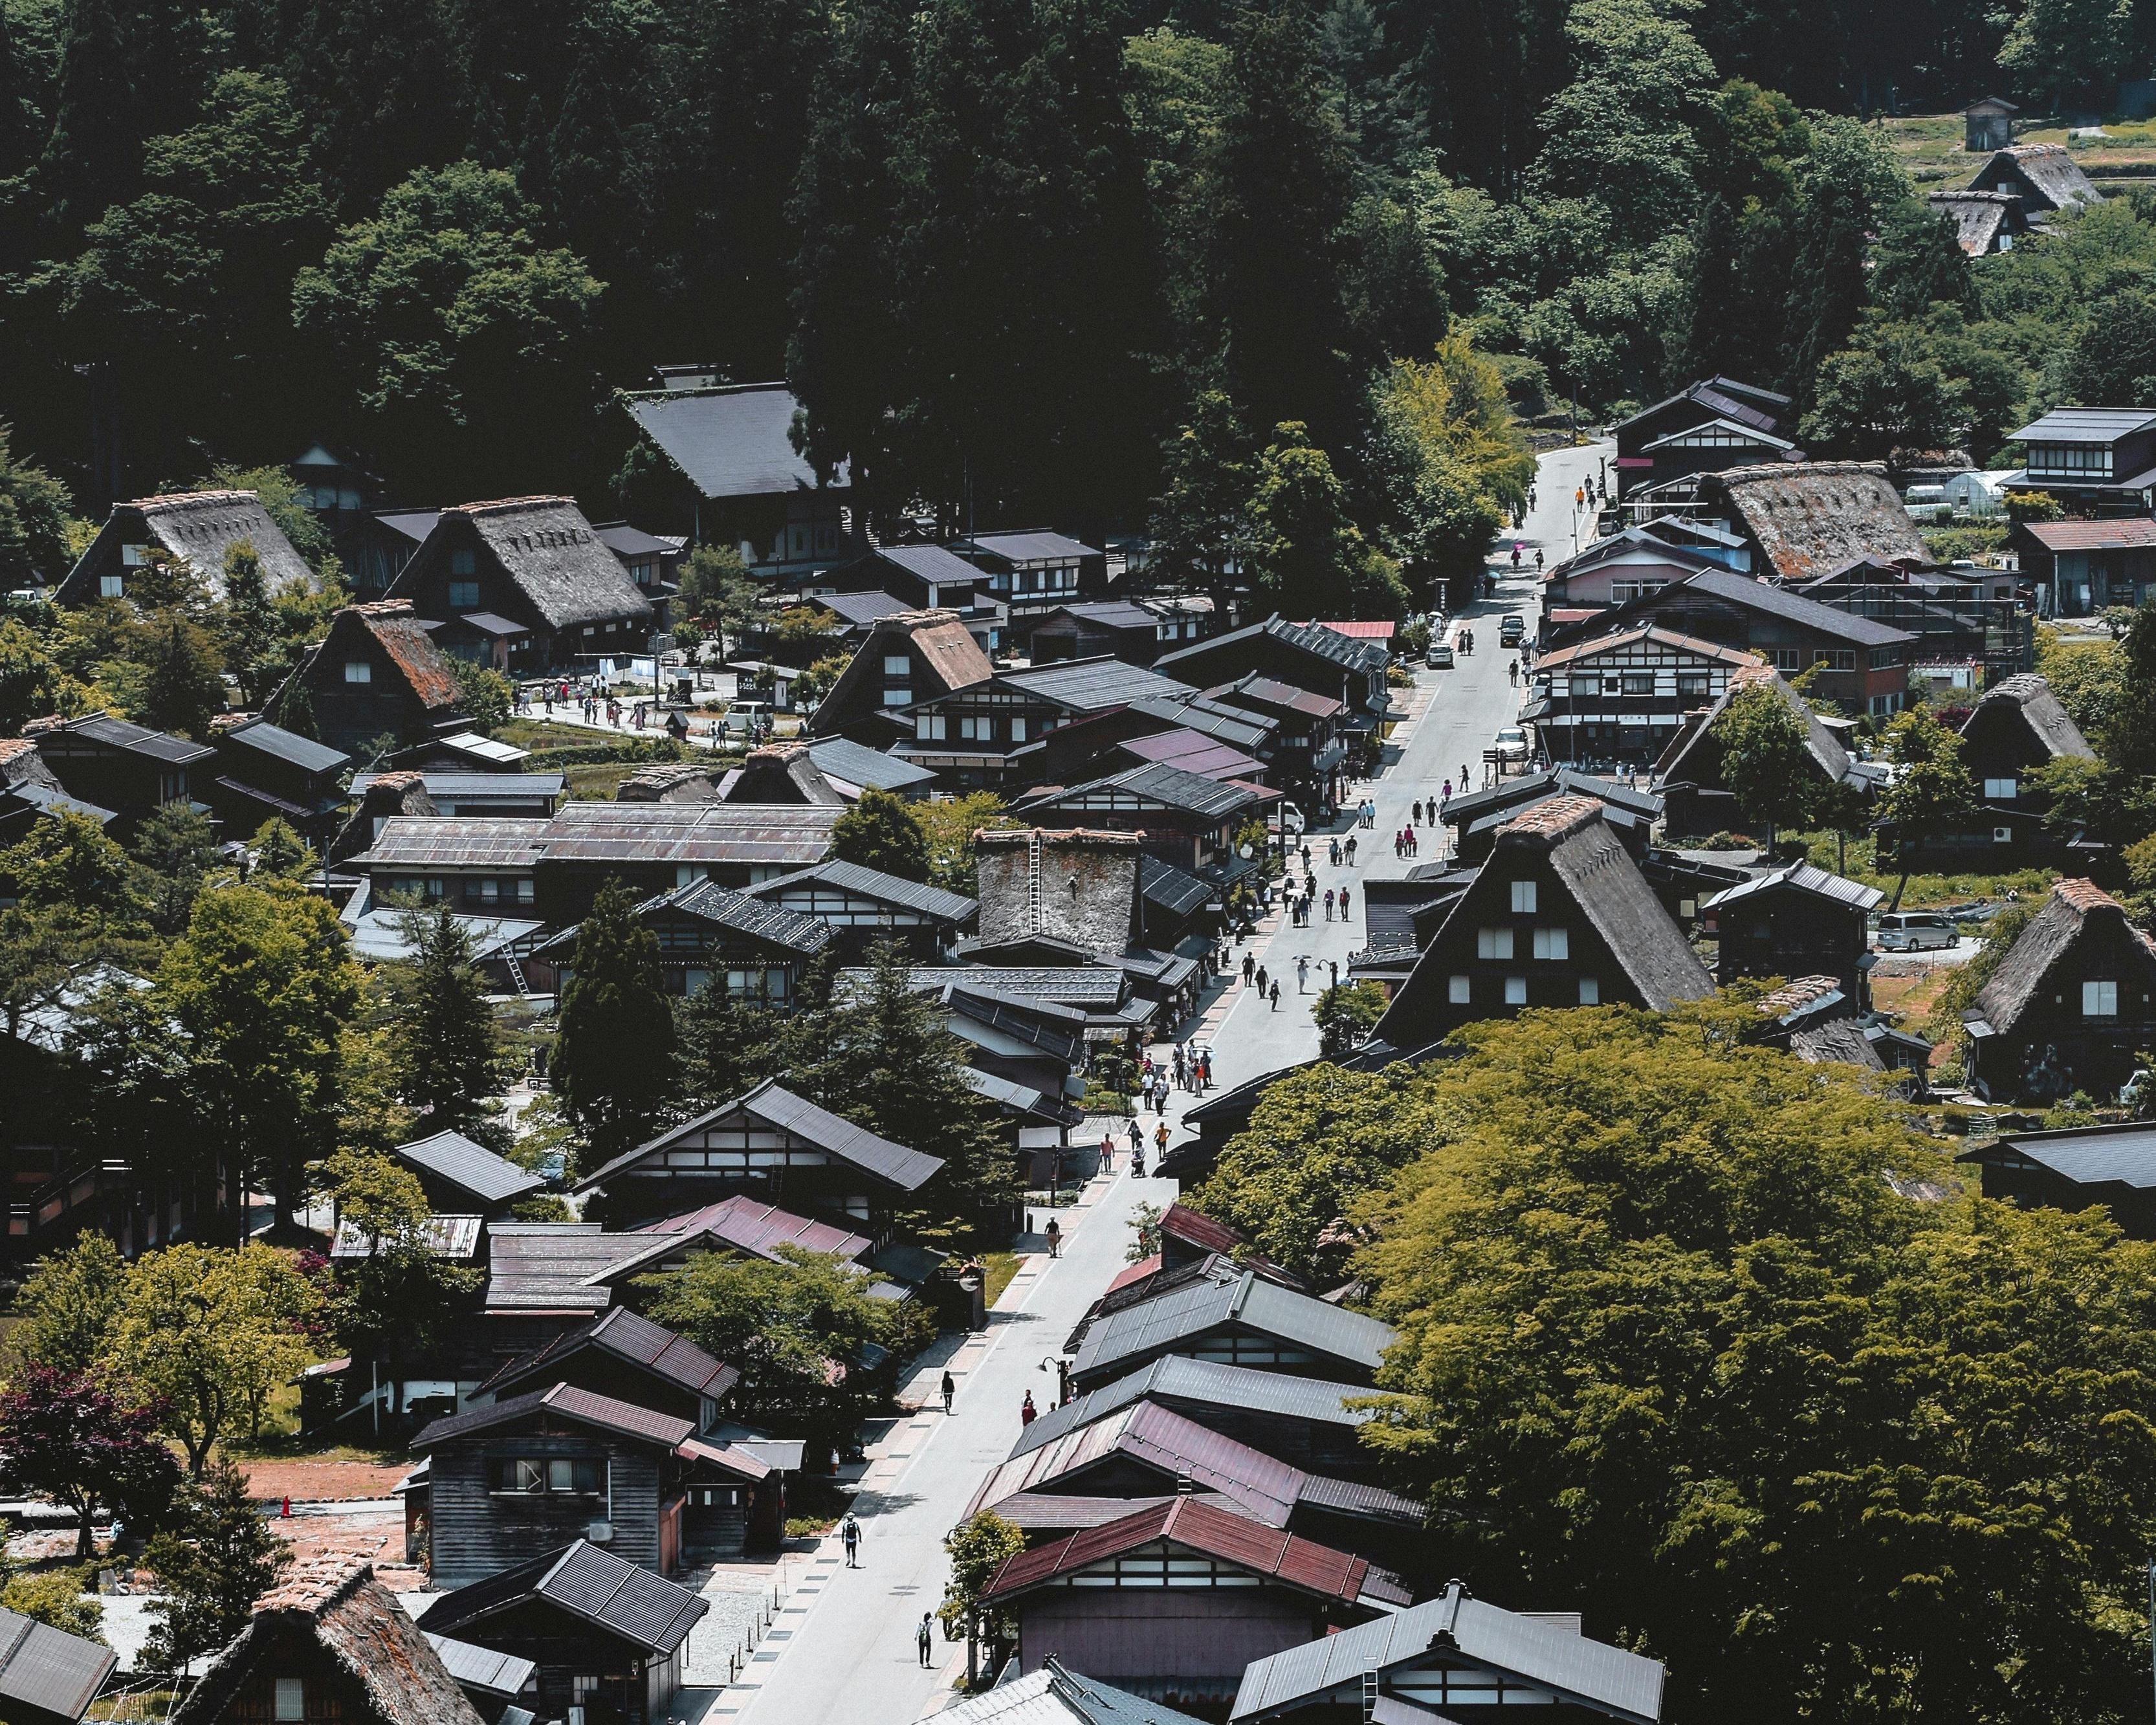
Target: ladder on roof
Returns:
[516, 976]
[1033, 879]
[1369, 1696]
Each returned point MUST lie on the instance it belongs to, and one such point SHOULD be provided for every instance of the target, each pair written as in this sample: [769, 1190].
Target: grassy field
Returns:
[1001, 1267]
[1930, 147]
[537, 734]
[1924, 891]
[598, 782]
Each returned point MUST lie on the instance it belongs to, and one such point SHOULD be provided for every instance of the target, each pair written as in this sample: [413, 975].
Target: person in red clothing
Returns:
[1027, 1413]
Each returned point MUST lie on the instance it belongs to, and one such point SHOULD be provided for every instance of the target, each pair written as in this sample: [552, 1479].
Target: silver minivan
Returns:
[1914, 931]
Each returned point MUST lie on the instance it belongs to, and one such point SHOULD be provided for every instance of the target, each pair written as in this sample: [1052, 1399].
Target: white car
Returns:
[1914, 931]
[1512, 744]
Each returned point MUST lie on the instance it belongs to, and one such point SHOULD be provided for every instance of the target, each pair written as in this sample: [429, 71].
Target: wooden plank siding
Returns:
[475, 1532]
[737, 1154]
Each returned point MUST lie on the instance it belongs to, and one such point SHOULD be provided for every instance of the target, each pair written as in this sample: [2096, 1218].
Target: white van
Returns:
[745, 716]
[1914, 931]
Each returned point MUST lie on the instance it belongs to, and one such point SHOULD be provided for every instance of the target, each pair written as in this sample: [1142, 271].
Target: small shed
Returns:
[48, 1677]
[2076, 1169]
[1987, 124]
[466, 1178]
[1798, 921]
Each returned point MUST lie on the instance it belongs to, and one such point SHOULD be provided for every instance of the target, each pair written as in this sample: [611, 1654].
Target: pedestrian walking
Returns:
[1445, 796]
[1343, 904]
[1513, 673]
[1027, 1413]
[1138, 1141]
[1160, 1137]
[850, 1535]
[1334, 857]
[1276, 994]
[923, 1639]
[1329, 904]
[1415, 816]
[1464, 780]
[1261, 979]
[950, 1389]
[1055, 1238]
[1350, 850]
[1302, 975]
[1305, 853]
[1108, 1152]
[1249, 963]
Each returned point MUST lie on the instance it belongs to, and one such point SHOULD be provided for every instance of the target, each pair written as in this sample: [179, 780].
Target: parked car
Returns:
[1439, 656]
[1512, 629]
[1914, 931]
[1512, 744]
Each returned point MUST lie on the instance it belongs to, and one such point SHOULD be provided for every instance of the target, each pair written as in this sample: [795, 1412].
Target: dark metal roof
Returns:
[49, 1669]
[429, 841]
[907, 1169]
[444, 1236]
[1175, 1377]
[477, 1169]
[1193, 751]
[1232, 725]
[2086, 425]
[1792, 607]
[303, 753]
[2123, 1155]
[863, 608]
[707, 902]
[1220, 1533]
[1174, 891]
[1089, 684]
[1089, 988]
[118, 734]
[1801, 877]
[733, 442]
[1053, 1696]
[1107, 614]
[502, 1674]
[874, 884]
[1031, 545]
[1170, 786]
[587, 1582]
[480, 787]
[490, 622]
[602, 1413]
[856, 763]
[546, 1266]
[673, 1358]
[1451, 1629]
[930, 563]
[625, 541]
[1159, 1325]
[767, 833]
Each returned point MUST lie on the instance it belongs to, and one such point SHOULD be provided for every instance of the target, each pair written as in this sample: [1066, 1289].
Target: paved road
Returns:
[852, 1657]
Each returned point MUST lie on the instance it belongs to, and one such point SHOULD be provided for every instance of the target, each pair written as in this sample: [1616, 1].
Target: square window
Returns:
[463, 595]
[1515, 991]
[1590, 992]
[898, 664]
[111, 587]
[898, 697]
[515, 1473]
[1999, 790]
[1552, 944]
[2099, 1000]
[358, 671]
[1523, 898]
[462, 561]
[291, 1698]
[1493, 943]
[1457, 991]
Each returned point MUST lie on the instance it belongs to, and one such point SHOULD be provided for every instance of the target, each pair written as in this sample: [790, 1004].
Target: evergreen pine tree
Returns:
[1827, 292]
[1710, 341]
[92, 158]
[212, 1565]
[20, 134]
[614, 1054]
[448, 1047]
[183, 681]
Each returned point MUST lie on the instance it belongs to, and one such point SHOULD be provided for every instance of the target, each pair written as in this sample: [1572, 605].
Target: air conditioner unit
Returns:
[600, 1532]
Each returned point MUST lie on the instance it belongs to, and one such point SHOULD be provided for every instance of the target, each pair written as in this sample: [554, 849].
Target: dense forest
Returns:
[1068, 262]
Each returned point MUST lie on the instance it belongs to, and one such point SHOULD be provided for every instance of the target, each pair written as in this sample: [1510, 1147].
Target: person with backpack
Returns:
[923, 1640]
[850, 1535]
[950, 1390]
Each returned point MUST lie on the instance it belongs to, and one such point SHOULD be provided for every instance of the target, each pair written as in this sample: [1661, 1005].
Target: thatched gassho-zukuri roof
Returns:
[1813, 518]
[557, 559]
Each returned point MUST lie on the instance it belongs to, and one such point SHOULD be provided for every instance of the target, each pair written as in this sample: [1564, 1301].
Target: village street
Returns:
[846, 1650]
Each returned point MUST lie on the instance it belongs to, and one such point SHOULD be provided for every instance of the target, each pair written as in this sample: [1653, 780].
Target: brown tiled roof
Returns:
[359, 1624]
[2128, 532]
[1797, 993]
[14, 747]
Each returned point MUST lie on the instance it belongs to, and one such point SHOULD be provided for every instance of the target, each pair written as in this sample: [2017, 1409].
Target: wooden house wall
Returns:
[1790, 933]
[735, 1155]
[1202, 1637]
[565, 1647]
[476, 1532]
[347, 715]
[2052, 1050]
[129, 784]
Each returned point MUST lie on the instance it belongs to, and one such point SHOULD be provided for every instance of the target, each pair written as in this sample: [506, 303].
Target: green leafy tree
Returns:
[1765, 762]
[1201, 520]
[1884, 394]
[182, 687]
[32, 683]
[1675, 1342]
[1309, 556]
[33, 516]
[446, 1044]
[977, 1547]
[280, 854]
[717, 587]
[483, 694]
[65, 1438]
[211, 1568]
[471, 373]
[397, 1300]
[178, 848]
[784, 1326]
[1345, 1014]
[2127, 735]
[879, 832]
[70, 1302]
[70, 865]
[59, 1599]
[208, 1334]
[1931, 790]
[260, 988]
[2113, 356]
[614, 1055]
[949, 825]
[2065, 50]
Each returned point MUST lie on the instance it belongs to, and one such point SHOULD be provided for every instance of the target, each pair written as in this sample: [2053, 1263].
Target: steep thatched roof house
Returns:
[911, 657]
[197, 528]
[525, 584]
[1812, 518]
[1984, 222]
[2070, 1004]
[2044, 177]
[377, 673]
[332, 1642]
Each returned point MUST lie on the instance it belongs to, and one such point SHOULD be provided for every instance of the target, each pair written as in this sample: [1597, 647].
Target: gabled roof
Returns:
[429, 841]
[947, 649]
[1977, 216]
[2128, 533]
[199, 528]
[1810, 517]
[907, 1169]
[548, 1267]
[1176, 1376]
[2118, 1155]
[743, 914]
[1789, 607]
[737, 441]
[1800, 877]
[749, 1224]
[130, 739]
[501, 1675]
[1169, 888]
[587, 1582]
[1455, 1629]
[2086, 425]
[2049, 935]
[874, 885]
[1191, 1522]
[781, 773]
[1281, 697]
[563, 1401]
[1838, 1042]
[1694, 757]
[1755, 409]
[2050, 172]
[1364, 657]
[1631, 542]
[264, 738]
[453, 1156]
[358, 1623]
[453, 1237]
[862, 609]
[1090, 684]
[844, 761]
[49, 1669]
[418, 660]
[1029, 545]
[1728, 427]
[1471, 806]
[1159, 1325]
[1103, 613]
[1053, 1696]
[787, 835]
[1613, 896]
[2040, 711]
[558, 563]
[673, 1359]
[1645, 632]
[1163, 787]
[1234, 725]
